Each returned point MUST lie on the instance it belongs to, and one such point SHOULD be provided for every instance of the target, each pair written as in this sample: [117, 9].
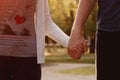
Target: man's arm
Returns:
[77, 43]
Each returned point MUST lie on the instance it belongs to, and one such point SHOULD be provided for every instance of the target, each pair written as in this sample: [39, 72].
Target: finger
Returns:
[80, 49]
[74, 54]
[70, 52]
[77, 54]
[76, 51]
[82, 44]
[79, 46]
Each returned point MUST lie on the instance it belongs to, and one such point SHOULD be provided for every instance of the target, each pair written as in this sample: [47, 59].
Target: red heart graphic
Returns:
[19, 19]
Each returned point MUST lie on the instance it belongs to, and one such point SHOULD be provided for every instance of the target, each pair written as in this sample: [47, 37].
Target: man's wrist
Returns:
[77, 32]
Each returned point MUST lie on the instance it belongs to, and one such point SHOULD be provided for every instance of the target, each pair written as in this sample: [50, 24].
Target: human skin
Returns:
[77, 44]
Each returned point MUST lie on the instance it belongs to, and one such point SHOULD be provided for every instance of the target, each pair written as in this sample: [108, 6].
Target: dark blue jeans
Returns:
[18, 68]
[108, 59]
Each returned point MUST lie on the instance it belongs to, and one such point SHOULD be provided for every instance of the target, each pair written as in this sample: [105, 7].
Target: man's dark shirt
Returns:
[109, 15]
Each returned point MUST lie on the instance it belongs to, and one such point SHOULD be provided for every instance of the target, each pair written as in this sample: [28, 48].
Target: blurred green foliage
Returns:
[88, 70]
[60, 55]
[63, 13]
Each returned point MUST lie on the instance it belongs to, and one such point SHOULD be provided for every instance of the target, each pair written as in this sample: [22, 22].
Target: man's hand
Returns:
[77, 46]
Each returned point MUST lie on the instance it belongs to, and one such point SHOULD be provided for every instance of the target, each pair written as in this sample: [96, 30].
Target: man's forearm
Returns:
[84, 9]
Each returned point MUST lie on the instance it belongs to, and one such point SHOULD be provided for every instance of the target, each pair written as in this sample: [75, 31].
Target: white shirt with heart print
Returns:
[23, 26]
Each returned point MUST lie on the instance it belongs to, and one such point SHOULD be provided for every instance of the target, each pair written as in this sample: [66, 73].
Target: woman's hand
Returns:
[77, 46]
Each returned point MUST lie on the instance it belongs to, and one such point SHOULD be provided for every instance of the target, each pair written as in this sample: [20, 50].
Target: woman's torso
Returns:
[17, 28]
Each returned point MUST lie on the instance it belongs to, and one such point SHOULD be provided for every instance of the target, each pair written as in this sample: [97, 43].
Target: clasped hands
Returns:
[77, 46]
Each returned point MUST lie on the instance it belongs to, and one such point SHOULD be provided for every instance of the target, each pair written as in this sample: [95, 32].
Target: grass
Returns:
[59, 55]
[89, 70]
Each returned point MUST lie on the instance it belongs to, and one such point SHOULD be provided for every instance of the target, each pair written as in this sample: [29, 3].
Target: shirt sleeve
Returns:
[52, 30]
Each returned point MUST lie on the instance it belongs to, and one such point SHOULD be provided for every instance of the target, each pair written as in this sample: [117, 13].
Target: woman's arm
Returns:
[52, 30]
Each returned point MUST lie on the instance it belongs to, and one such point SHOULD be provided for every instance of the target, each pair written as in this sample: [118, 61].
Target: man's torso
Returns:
[109, 15]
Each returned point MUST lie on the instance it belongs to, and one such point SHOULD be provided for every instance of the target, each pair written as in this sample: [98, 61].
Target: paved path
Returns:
[49, 72]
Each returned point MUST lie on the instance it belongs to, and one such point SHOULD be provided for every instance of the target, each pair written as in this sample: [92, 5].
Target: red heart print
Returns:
[19, 19]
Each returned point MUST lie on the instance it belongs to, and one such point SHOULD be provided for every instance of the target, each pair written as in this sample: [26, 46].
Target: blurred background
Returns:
[59, 65]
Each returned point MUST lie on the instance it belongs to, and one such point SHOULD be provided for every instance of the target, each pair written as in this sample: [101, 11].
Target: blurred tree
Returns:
[63, 13]
[77, 1]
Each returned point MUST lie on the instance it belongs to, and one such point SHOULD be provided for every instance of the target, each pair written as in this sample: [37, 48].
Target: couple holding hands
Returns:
[23, 61]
